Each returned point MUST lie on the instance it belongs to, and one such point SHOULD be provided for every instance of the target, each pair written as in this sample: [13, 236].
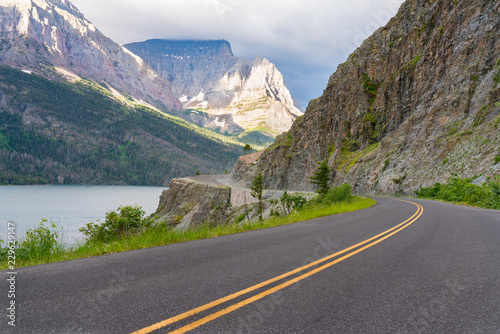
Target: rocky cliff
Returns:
[229, 93]
[417, 101]
[189, 203]
[53, 38]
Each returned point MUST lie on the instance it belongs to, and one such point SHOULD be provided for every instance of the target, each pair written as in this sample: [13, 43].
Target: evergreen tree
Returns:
[321, 177]
[257, 189]
[247, 148]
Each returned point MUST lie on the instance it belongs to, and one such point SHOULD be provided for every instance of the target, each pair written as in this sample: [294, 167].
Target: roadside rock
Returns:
[189, 203]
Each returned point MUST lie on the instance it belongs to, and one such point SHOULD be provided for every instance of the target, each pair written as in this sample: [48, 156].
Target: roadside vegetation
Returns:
[129, 229]
[463, 191]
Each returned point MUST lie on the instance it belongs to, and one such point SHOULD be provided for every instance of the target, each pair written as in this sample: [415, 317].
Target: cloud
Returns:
[306, 39]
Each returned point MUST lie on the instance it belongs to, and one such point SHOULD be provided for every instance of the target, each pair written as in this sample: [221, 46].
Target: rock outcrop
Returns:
[52, 38]
[418, 101]
[229, 93]
[189, 203]
[192, 202]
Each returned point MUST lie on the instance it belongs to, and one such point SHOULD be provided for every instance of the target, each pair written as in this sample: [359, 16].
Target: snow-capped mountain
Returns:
[52, 38]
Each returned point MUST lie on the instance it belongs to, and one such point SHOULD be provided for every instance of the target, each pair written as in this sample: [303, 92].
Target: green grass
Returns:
[159, 236]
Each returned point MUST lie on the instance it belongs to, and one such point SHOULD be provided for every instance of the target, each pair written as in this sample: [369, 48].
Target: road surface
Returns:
[409, 266]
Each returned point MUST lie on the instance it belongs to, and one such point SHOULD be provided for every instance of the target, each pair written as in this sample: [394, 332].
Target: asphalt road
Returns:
[437, 272]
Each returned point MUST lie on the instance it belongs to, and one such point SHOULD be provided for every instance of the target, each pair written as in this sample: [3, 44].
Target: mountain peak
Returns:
[43, 35]
[206, 75]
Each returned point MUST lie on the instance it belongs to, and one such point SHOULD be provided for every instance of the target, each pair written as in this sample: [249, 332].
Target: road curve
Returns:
[399, 267]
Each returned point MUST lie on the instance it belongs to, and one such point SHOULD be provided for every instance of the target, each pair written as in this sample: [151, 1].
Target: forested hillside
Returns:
[57, 132]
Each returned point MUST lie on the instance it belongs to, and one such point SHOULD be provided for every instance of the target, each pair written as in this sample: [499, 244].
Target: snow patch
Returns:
[183, 99]
[41, 3]
[27, 72]
[221, 124]
[200, 97]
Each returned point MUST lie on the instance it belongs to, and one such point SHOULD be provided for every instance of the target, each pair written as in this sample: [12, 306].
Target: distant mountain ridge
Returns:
[54, 39]
[234, 93]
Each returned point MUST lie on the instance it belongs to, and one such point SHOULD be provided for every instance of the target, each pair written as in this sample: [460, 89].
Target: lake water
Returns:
[69, 206]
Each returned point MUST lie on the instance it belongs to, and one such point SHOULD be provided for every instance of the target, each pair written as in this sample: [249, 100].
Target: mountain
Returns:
[226, 92]
[53, 38]
[77, 108]
[416, 103]
[77, 133]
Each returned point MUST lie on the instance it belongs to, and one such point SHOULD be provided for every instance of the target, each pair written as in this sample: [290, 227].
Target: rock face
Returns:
[230, 93]
[49, 37]
[189, 203]
[417, 101]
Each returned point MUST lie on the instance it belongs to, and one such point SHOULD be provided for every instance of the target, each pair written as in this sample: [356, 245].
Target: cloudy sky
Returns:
[306, 39]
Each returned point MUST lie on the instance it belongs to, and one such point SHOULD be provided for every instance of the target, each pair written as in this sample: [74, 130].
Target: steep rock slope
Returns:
[230, 93]
[52, 38]
[417, 101]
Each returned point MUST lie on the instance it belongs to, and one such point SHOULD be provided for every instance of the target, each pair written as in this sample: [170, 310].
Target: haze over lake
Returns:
[69, 206]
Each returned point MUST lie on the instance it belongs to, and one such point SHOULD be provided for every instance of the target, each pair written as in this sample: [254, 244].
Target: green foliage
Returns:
[257, 189]
[369, 118]
[338, 194]
[288, 141]
[40, 242]
[386, 164]
[292, 202]
[321, 177]
[391, 43]
[331, 149]
[247, 148]
[241, 217]
[497, 157]
[4, 141]
[481, 116]
[128, 220]
[496, 78]
[415, 61]
[370, 87]
[453, 129]
[460, 190]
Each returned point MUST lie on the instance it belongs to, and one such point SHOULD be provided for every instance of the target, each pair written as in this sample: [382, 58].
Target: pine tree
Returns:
[247, 148]
[321, 177]
[257, 189]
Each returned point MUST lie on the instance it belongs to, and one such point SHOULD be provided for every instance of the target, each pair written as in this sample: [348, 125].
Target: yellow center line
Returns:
[216, 315]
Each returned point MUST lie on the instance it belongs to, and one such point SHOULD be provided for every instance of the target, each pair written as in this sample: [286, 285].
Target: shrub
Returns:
[292, 202]
[39, 243]
[463, 191]
[338, 194]
[128, 219]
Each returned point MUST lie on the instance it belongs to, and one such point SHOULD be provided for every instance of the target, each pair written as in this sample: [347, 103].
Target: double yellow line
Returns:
[358, 248]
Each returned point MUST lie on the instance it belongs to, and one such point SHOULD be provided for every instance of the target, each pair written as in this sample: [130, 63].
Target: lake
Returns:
[69, 206]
